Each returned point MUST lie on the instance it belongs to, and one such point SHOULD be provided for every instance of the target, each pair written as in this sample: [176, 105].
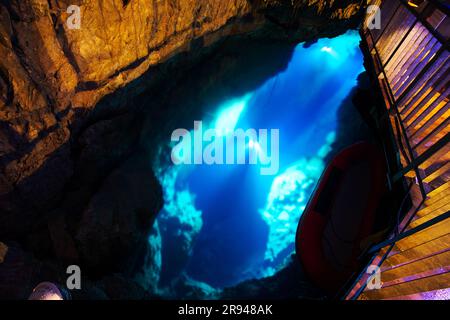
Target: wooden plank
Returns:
[417, 57]
[435, 93]
[438, 230]
[441, 294]
[428, 54]
[430, 207]
[430, 136]
[437, 191]
[441, 281]
[437, 173]
[388, 8]
[406, 54]
[425, 249]
[394, 33]
[408, 269]
[440, 117]
[417, 101]
[440, 67]
[434, 113]
[431, 215]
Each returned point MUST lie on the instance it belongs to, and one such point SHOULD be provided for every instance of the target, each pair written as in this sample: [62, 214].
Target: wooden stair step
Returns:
[444, 192]
[441, 155]
[433, 207]
[430, 137]
[437, 191]
[405, 271]
[418, 252]
[441, 294]
[428, 217]
[438, 230]
[442, 170]
[436, 112]
[423, 284]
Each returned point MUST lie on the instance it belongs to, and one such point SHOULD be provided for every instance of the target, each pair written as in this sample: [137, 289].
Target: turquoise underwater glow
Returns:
[230, 113]
[238, 224]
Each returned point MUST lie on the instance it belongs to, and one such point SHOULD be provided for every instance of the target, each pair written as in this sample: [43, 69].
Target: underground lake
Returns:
[223, 224]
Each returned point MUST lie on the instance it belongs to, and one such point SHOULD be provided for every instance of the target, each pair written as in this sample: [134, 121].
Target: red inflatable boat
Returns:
[340, 215]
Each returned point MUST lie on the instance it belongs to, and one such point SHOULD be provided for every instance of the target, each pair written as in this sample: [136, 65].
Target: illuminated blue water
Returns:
[242, 224]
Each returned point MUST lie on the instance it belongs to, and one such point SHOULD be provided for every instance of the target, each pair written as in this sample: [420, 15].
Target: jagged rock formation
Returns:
[70, 125]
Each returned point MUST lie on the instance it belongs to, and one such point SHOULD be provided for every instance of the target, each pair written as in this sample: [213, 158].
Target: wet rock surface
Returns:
[289, 283]
[81, 112]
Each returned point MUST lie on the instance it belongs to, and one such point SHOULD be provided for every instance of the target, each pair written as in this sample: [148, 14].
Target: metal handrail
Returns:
[402, 127]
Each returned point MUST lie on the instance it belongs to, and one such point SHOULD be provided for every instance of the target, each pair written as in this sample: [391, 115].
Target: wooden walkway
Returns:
[410, 60]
